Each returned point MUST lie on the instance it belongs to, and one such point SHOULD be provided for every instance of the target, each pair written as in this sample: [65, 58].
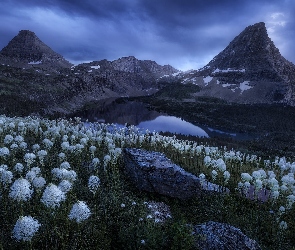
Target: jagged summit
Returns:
[133, 65]
[249, 70]
[27, 49]
[252, 49]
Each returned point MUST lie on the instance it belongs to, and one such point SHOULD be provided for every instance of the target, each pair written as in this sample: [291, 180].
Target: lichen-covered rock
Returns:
[220, 236]
[154, 172]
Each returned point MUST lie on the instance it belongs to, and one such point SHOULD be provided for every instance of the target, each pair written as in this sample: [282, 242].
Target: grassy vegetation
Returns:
[61, 150]
[273, 124]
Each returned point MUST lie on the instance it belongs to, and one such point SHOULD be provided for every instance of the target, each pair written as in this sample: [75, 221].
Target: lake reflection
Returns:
[172, 124]
[138, 114]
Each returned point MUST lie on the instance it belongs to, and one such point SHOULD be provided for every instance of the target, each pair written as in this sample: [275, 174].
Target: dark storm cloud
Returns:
[183, 33]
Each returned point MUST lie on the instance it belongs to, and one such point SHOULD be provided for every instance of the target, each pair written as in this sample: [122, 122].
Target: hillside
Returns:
[249, 70]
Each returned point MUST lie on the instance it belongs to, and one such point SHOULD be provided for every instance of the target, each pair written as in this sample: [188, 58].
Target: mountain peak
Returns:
[26, 32]
[251, 49]
[250, 70]
[26, 48]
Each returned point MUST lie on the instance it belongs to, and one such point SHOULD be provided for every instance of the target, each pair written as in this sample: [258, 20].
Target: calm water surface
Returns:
[138, 114]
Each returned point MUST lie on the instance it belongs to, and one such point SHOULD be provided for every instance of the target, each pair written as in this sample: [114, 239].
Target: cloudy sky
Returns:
[186, 34]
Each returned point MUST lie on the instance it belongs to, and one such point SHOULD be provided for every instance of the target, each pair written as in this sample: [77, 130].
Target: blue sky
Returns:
[186, 34]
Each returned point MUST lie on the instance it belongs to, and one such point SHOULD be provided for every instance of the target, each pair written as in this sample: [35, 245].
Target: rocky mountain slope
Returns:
[249, 70]
[35, 79]
[26, 50]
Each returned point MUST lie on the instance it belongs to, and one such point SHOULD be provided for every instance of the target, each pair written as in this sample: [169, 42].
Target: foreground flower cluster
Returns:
[47, 167]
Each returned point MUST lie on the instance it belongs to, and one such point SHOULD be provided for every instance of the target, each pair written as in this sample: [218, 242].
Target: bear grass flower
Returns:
[79, 212]
[8, 139]
[25, 228]
[29, 158]
[33, 173]
[246, 177]
[214, 174]
[283, 225]
[4, 152]
[21, 190]
[65, 165]
[63, 174]
[6, 176]
[65, 186]
[41, 155]
[18, 167]
[226, 176]
[52, 196]
[39, 182]
[93, 183]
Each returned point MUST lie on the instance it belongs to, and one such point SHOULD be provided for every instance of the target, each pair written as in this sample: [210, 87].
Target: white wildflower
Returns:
[214, 175]
[291, 200]
[52, 196]
[246, 187]
[202, 178]
[207, 160]
[220, 165]
[93, 183]
[6, 177]
[8, 139]
[65, 186]
[258, 184]
[31, 175]
[282, 210]
[256, 175]
[18, 167]
[226, 176]
[65, 165]
[83, 140]
[284, 188]
[79, 212]
[13, 146]
[275, 194]
[20, 190]
[39, 182]
[29, 158]
[79, 148]
[47, 143]
[246, 177]
[19, 139]
[62, 156]
[4, 152]
[41, 154]
[283, 225]
[65, 145]
[92, 149]
[95, 162]
[25, 228]
[35, 147]
[23, 145]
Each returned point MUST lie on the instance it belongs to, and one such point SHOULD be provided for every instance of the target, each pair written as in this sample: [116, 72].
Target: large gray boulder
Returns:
[154, 172]
[220, 236]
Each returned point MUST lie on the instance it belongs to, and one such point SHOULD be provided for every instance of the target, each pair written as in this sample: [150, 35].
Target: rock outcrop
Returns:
[220, 236]
[154, 172]
[249, 70]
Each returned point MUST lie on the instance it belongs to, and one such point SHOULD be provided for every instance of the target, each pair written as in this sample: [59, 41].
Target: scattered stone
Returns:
[154, 172]
[220, 236]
